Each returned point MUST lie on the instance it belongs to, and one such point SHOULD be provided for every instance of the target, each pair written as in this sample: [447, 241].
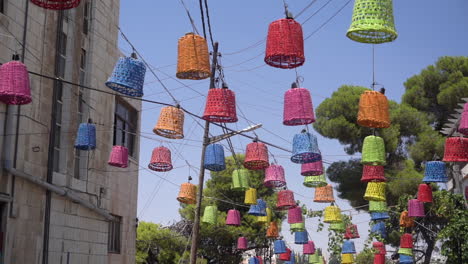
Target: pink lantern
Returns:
[274, 176]
[119, 157]
[312, 168]
[233, 218]
[309, 248]
[463, 127]
[14, 83]
[285, 200]
[298, 108]
[161, 159]
[425, 193]
[295, 215]
[415, 208]
[242, 243]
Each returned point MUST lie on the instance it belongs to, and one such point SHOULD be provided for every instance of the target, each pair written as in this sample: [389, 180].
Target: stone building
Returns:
[57, 204]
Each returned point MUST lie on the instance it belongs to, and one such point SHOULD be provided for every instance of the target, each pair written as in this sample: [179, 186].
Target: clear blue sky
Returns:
[427, 30]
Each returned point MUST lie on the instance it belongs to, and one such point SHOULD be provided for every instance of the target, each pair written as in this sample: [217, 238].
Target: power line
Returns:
[326, 22]
[209, 23]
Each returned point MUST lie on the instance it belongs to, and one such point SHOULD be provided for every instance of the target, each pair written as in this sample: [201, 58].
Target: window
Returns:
[125, 125]
[115, 234]
[60, 72]
[79, 163]
[2, 6]
[86, 13]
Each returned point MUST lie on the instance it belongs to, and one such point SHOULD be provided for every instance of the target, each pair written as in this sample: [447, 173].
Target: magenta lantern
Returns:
[274, 176]
[312, 168]
[295, 215]
[415, 208]
[119, 157]
[309, 248]
[233, 218]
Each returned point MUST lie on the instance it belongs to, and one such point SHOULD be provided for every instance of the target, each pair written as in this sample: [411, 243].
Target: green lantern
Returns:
[373, 151]
[211, 215]
[337, 226]
[315, 181]
[297, 227]
[240, 180]
[372, 22]
[314, 258]
[406, 251]
[377, 206]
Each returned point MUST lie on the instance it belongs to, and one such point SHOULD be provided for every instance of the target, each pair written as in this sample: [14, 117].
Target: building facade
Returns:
[58, 204]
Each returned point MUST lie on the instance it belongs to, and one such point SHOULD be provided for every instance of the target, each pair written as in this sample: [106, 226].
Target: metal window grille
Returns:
[115, 235]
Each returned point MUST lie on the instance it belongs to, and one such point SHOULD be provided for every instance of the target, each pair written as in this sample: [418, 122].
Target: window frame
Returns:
[129, 127]
[114, 237]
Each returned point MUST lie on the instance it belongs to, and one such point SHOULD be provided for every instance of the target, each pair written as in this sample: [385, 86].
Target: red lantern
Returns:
[380, 247]
[220, 106]
[285, 256]
[57, 4]
[256, 156]
[160, 159]
[379, 259]
[351, 232]
[425, 193]
[406, 241]
[285, 200]
[373, 173]
[456, 149]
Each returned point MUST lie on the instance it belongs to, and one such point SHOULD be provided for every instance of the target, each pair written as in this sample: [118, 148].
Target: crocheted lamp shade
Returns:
[373, 173]
[312, 168]
[285, 200]
[14, 83]
[377, 206]
[295, 215]
[309, 248]
[347, 258]
[435, 172]
[379, 247]
[379, 259]
[285, 44]
[405, 251]
[305, 148]
[256, 156]
[379, 215]
[373, 110]
[379, 229]
[298, 109]
[193, 59]
[258, 209]
[242, 243]
[372, 22]
[240, 180]
[265, 219]
[214, 158]
[315, 181]
[128, 77]
[405, 220]
[351, 232]
[233, 218]
[187, 193]
[286, 255]
[373, 151]
[279, 247]
[254, 260]
[118, 157]
[274, 176]
[314, 258]
[170, 123]
[406, 259]
[57, 4]
[463, 126]
[348, 247]
[301, 237]
[220, 106]
[375, 191]
[406, 241]
[425, 193]
[160, 159]
[211, 215]
[86, 137]
[415, 208]
[332, 214]
[297, 227]
[324, 194]
[456, 149]
[337, 227]
[250, 196]
[272, 230]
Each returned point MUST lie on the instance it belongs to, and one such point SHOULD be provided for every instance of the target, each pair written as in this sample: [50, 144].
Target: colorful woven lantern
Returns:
[347, 258]
[298, 109]
[86, 137]
[379, 259]
[463, 126]
[128, 76]
[379, 229]
[456, 149]
[301, 237]
[295, 215]
[240, 180]
[242, 243]
[233, 218]
[373, 110]
[435, 172]
[260, 259]
[372, 22]
[57, 4]
[379, 247]
[250, 196]
[324, 194]
[170, 123]
[211, 215]
[119, 157]
[315, 181]
[375, 191]
[406, 241]
[15, 87]
[415, 208]
[340, 227]
[214, 158]
[425, 193]
[279, 247]
[351, 232]
[373, 173]
[265, 219]
[285, 200]
[373, 151]
[187, 193]
[406, 259]
[285, 44]
[258, 209]
[309, 248]
[254, 260]
[405, 251]
[312, 168]
[256, 156]
[348, 247]
[220, 106]
[160, 159]
[274, 176]
[305, 148]
[193, 59]
[379, 215]
[377, 206]
[405, 220]
[286, 255]
[272, 231]
[314, 258]
[332, 214]
[297, 227]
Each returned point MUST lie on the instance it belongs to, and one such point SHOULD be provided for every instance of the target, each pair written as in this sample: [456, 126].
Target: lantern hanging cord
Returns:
[190, 17]
[202, 16]
[373, 68]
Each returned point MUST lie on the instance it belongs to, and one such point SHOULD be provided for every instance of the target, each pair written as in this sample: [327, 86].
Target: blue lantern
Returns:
[254, 260]
[258, 209]
[379, 215]
[435, 172]
[348, 247]
[305, 148]
[379, 229]
[128, 76]
[214, 158]
[292, 260]
[86, 138]
[405, 259]
[279, 247]
[301, 237]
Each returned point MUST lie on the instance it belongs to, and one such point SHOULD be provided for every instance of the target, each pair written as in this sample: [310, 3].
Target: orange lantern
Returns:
[272, 231]
[324, 194]
[187, 193]
[193, 61]
[170, 123]
[405, 220]
[373, 110]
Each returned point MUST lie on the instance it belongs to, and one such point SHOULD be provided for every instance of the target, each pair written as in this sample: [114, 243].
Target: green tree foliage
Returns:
[365, 257]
